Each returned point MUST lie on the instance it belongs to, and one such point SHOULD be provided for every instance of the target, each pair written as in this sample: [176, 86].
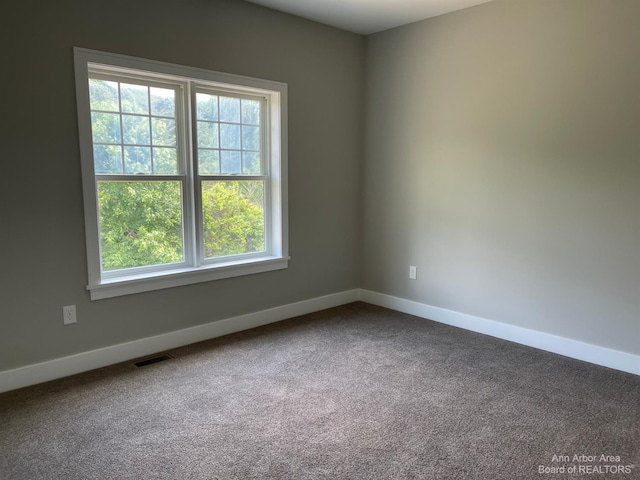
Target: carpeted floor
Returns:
[354, 392]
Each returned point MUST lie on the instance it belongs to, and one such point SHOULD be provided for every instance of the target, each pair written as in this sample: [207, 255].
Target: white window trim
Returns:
[277, 214]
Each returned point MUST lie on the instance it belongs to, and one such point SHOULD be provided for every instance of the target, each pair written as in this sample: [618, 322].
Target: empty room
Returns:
[284, 239]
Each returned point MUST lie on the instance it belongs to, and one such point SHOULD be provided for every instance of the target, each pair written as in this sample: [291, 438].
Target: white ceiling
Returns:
[367, 16]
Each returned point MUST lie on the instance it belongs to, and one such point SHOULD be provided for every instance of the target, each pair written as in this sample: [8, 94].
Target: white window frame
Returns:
[195, 268]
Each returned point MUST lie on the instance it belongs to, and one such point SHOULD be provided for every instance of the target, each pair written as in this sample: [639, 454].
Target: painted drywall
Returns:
[502, 147]
[43, 264]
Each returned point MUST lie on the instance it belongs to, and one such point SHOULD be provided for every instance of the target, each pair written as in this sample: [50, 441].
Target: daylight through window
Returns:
[183, 171]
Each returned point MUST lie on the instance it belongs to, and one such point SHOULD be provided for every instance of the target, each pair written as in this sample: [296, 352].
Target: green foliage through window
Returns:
[140, 223]
[184, 173]
[233, 217]
[133, 128]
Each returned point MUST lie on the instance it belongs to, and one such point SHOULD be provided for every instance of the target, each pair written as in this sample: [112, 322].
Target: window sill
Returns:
[186, 276]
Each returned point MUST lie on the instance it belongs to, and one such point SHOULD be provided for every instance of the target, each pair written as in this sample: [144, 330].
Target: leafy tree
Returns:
[233, 215]
[125, 119]
[141, 222]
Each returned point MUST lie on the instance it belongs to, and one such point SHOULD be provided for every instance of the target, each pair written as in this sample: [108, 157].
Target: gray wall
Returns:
[502, 158]
[501, 153]
[43, 265]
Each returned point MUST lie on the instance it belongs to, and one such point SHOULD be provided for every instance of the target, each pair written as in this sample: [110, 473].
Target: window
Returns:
[184, 173]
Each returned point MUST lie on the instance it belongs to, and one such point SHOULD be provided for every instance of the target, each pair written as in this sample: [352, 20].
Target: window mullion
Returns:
[139, 178]
[151, 139]
[232, 178]
[198, 244]
[182, 133]
[124, 161]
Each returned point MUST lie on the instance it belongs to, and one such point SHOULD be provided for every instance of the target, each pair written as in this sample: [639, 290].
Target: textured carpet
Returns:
[354, 392]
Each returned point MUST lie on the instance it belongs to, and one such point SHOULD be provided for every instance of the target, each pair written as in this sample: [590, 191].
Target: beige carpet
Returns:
[355, 392]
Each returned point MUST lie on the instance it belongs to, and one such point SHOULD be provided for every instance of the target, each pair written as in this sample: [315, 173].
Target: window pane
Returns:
[207, 106]
[104, 95]
[105, 127]
[140, 224]
[230, 136]
[135, 98]
[207, 135]
[164, 131]
[163, 102]
[233, 214]
[251, 112]
[230, 161]
[165, 161]
[250, 138]
[107, 158]
[229, 109]
[251, 163]
[137, 160]
[135, 130]
[208, 162]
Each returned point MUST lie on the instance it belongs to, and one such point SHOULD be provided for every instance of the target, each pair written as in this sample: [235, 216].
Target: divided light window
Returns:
[183, 173]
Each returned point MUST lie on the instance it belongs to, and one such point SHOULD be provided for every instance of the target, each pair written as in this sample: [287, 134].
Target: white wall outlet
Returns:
[413, 272]
[69, 314]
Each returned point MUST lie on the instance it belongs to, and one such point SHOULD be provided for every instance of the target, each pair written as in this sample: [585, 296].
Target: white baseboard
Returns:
[606, 357]
[82, 362]
[85, 361]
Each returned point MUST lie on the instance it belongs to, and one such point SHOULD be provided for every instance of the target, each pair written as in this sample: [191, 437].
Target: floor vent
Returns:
[155, 359]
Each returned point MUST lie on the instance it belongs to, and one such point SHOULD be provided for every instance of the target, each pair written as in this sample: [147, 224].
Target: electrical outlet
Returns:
[413, 272]
[69, 314]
